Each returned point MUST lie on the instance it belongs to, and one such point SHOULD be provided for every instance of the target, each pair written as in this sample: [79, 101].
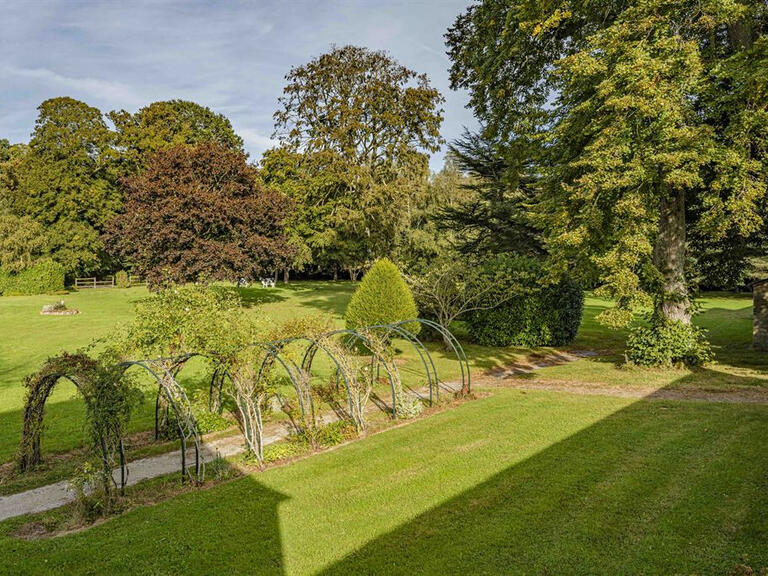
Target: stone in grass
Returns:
[58, 309]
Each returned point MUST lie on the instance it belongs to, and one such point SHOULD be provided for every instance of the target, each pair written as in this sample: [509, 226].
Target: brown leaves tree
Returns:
[200, 212]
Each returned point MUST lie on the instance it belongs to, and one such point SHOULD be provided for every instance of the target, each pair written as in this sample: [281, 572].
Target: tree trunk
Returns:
[353, 275]
[286, 275]
[335, 274]
[669, 256]
[275, 276]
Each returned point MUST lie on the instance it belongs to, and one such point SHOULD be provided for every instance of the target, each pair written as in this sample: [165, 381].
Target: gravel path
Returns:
[58, 494]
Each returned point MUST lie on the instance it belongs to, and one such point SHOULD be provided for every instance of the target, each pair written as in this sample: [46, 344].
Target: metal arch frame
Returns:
[374, 356]
[458, 349]
[54, 379]
[176, 395]
[420, 349]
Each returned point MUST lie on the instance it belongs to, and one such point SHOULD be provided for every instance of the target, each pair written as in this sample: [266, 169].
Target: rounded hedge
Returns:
[44, 277]
[536, 316]
[383, 297]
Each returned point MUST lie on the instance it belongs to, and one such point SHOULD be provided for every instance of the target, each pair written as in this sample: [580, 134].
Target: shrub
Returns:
[383, 297]
[667, 343]
[534, 315]
[122, 280]
[206, 419]
[45, 277]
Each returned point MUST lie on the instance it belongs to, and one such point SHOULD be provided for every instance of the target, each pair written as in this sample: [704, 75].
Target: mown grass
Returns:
[514, 483]
[27, 339]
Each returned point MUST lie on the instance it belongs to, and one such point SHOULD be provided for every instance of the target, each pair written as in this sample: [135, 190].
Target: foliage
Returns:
[354, 178]
[122, 280]
[453, 286]
[533, 314]
[668, 343]
[625, 111]
[178, 320]
[65, 181]
[200, 212]
[493, 217]
[163, 125]
[284, 450]
[22, 242]
[206, 419]
[109, 398]
[383, 297]
[45, 277]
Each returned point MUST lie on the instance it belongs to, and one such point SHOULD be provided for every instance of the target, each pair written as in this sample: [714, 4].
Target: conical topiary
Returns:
[383, 297]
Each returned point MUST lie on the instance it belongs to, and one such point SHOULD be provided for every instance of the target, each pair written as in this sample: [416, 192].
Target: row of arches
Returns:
[298, 368]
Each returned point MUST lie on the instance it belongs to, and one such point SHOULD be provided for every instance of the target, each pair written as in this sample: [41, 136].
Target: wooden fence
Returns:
[84, 283]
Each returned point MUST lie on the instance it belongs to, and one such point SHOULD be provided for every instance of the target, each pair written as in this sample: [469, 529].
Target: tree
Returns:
[493, 215]
[22, 242]
[360, 126]
[200, 212]
[631, 110]
[453, 286]
[383, 297]
[65, 181]
[162, 125]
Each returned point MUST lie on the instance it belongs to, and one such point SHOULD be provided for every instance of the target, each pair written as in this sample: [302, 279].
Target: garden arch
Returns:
[164, 371]
[85, 374]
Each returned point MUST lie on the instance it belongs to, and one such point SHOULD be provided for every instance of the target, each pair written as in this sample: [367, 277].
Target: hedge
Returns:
[548, 316]
[44, 277]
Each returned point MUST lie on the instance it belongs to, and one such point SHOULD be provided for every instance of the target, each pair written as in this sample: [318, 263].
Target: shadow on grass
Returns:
[656, 488]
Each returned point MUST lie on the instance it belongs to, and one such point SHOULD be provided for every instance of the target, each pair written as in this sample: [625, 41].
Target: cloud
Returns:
[230, 56]
[109, 90]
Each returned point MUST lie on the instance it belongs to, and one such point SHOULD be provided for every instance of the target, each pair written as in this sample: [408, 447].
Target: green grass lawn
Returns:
[27, 339]
[515, 483]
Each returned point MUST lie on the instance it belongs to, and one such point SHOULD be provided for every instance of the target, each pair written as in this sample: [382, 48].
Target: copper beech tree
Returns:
[200, 212]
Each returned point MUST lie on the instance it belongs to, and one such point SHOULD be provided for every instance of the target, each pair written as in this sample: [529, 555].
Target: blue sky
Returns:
[230, 56]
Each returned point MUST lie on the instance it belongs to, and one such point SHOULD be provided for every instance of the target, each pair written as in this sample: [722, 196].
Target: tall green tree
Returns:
[362, 126]
[162, 125]
[65, 181]
[632, 112]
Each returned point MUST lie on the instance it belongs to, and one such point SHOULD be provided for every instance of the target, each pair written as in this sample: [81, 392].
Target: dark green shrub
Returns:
[535, 315]
[45, 277]
[122, 280]
[383, 297]
[667, 343]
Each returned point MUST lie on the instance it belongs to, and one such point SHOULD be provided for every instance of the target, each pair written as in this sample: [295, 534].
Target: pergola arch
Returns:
[164, 371]
[81, 371]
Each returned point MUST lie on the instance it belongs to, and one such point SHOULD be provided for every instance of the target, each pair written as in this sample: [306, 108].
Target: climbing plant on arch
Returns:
[244, 373]
[108, 397]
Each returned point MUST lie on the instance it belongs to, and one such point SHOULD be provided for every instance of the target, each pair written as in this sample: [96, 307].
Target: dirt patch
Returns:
[747, 396]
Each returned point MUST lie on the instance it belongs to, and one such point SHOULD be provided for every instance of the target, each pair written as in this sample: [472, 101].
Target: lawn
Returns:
[517, 482]
[513, 482]
[27, 339]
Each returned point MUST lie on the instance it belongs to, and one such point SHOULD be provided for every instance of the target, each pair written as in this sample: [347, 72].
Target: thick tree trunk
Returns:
[286, 275]
[353, 275]
[669, 256]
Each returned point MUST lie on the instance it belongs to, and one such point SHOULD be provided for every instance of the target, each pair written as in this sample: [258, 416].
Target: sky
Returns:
[229, 56]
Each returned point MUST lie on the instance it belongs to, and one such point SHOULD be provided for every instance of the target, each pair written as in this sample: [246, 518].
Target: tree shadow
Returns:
[658, 487]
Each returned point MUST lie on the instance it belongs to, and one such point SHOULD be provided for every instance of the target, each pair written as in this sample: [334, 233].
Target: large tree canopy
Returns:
[162, 125]
[356, 127]
[65, 181]
[627, 113]
[200, 212]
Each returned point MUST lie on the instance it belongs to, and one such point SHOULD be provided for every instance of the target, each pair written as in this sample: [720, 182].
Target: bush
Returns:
[668, 343]
[535, 315]
[122, 280]
[383, 297]
[45, 277]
